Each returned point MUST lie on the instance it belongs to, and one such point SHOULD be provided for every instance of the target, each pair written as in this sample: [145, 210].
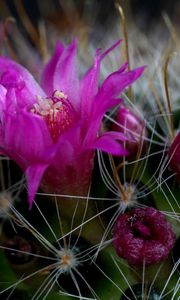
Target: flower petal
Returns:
[89, 87]
[97, 115]
[116, 135]
[116, 83]
[66, 74]
[107, 144]
[3, 92]
[89, 83]
[48, 72]
[13, 72]
[34, 174]
[26, 139]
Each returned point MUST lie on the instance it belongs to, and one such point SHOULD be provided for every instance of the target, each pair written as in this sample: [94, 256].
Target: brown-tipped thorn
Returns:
[116, 178]
[165, 73]
[125, 34]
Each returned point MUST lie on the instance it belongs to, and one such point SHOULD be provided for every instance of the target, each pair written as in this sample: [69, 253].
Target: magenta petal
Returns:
[117, 43]
[123, 67]
[18, 74]
[89, 87]
[94, 128]
[110, 103]
[116, 83]
[73, 136]
[11, 102]
[48, 72]
[116, 135]
[100, 110]
[34, 174]
[32, 144]
[109, 145]
[97, 116]
[66, 74]
[89, 84]
[3, 92]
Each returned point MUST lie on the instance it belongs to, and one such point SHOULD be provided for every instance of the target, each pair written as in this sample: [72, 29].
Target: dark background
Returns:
[144, 12]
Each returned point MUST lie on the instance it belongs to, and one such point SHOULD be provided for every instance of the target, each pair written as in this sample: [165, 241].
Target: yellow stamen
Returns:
[60, 95]
[56, 111]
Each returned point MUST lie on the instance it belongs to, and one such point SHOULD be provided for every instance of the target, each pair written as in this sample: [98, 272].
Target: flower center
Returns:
[67, 260]
[57, 112]
[142, 230]
[139, 228]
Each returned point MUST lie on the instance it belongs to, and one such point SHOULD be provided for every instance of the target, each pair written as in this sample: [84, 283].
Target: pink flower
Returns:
[52, 132]
[143, 234]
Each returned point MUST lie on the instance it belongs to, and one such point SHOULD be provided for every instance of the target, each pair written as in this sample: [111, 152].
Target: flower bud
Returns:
[134, 129]
[143, 235]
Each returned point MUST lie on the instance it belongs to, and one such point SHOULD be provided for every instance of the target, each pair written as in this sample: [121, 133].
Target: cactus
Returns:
[89, 176]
